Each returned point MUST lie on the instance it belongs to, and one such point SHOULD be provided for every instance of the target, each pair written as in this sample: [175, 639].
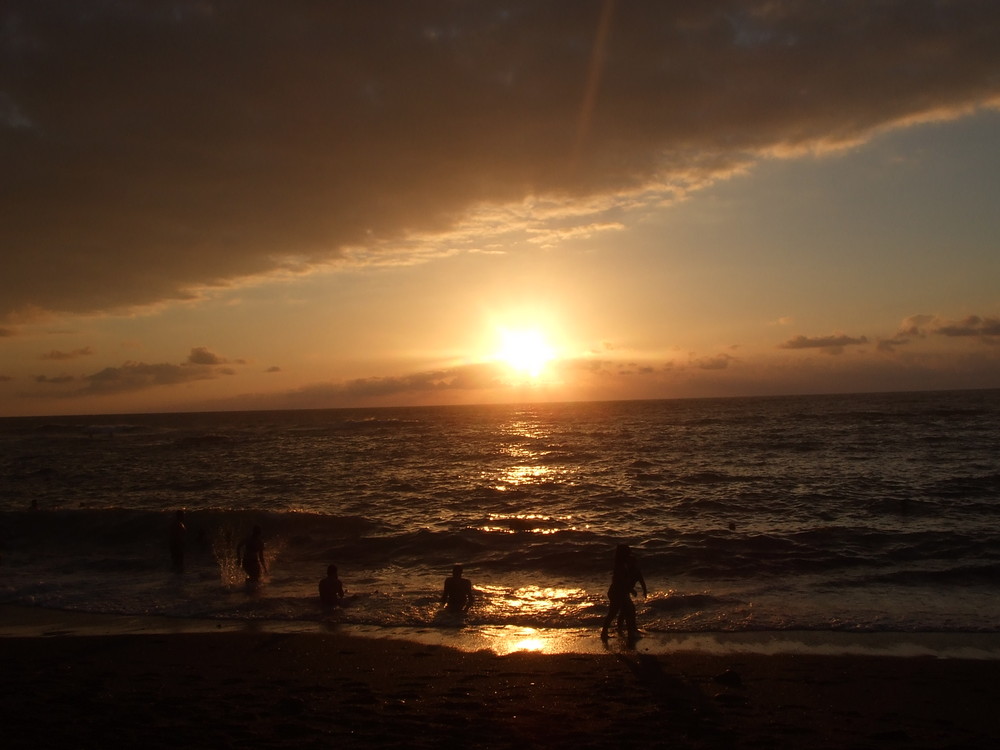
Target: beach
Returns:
[822, 573]
[265, 689]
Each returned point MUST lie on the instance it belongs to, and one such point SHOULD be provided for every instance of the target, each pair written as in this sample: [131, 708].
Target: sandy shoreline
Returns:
[319, 689]
[21, 621]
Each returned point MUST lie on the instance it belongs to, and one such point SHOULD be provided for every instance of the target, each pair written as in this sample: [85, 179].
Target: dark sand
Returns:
[303, 690]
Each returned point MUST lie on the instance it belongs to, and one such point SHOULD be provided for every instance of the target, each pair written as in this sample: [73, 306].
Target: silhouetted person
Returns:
[177, 532]
[251, 553]
[457, 595]
[331, 590]
[624, 577]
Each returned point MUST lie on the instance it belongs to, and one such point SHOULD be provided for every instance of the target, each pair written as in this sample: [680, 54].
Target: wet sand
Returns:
[314, 689]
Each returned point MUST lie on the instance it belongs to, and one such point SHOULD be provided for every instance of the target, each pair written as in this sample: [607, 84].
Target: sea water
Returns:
[847, 513]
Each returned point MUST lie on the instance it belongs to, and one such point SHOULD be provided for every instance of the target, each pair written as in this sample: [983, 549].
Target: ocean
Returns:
[871, 513]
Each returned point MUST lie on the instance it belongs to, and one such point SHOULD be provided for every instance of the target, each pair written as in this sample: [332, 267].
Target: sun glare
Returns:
[525, 350]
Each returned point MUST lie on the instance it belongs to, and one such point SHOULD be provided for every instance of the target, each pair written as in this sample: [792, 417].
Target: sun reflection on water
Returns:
[511, 639]
[515, 476]
[538, 598]
[533, 465]
[529, 644]
[525, 428]
[532, 459]
[527, 523]
[530, 601]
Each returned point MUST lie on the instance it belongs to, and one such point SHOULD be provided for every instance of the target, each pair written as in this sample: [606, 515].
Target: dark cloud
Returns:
[972, 326]
[629, 368]
[465, 377]
[471, 378]
[985, 329]
[721, 362]
[202, 356]
[201, 364]
[150, 148]
[76, 353]
[888, 346]
[57, 380]
[831, 344]
[137, 376]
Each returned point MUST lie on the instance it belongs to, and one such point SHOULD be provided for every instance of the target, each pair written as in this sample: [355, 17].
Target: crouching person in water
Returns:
[331, 590]
[457, 595]
[624, 577]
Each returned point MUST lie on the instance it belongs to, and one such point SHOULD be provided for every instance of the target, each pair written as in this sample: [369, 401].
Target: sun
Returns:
[525, 350]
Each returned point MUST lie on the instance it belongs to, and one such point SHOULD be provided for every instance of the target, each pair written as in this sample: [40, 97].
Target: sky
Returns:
[255, 205]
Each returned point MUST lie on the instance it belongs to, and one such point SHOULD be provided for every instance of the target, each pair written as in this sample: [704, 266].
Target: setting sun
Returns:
[525, 350]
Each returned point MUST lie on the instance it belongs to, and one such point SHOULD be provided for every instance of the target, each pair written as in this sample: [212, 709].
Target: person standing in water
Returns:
[251, 554]
[177, 532]
[331, 590]
[624, 577]
[457, 595]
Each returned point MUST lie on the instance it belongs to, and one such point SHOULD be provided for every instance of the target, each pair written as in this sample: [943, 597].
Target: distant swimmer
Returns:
[251, 554]
[331, 590]
[457, 595]
[177, 532]
[624, 577]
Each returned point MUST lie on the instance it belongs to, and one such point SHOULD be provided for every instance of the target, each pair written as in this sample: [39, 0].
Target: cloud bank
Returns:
[131, 377]
[154, 148]
[833, 344]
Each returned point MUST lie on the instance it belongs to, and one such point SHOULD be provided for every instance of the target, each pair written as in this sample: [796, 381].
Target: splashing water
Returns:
[224, 545]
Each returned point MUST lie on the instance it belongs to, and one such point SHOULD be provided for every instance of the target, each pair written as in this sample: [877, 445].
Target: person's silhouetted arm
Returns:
[637, 576]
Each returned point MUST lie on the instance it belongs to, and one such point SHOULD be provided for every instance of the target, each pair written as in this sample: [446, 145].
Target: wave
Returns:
[986, 574]
[820, 512]
[547, 545]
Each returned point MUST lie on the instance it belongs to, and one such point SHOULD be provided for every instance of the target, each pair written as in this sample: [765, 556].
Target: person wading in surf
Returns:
[624, 577]
[457, 595]
[331, 590]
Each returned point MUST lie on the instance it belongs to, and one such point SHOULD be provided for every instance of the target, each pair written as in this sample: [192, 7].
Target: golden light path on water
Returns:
[530, 523]
[525, 473]
[528, 601]
[544, 602]
[520, 475]
[534, 599]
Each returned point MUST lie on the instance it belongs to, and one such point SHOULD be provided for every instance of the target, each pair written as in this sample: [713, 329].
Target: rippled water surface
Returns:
[864, 512]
